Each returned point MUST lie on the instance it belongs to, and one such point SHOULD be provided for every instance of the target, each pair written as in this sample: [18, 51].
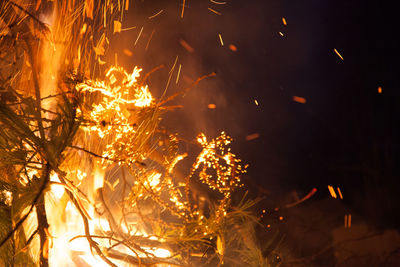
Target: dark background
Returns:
[345, 135]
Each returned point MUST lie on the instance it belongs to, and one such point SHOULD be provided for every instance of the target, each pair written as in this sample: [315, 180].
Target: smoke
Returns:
[247, 68]
[188, 48]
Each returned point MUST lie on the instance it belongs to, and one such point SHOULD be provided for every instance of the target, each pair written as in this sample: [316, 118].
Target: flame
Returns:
[57, 189]
[114, 128]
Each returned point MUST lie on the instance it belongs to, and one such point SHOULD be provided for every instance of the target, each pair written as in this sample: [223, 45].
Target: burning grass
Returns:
[88, 176]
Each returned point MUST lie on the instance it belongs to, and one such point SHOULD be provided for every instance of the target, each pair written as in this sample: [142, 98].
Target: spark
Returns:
[299, 99]
[214, 11]
[337, 53]
[128, 29]
[178, 75]
[347, 221]
[137, 39]
[332, 191]
[380, 90]
[309, 195]
[232, 47]
[148, 42]
[218, 3]
[211, 106]
[155, 15]
[173, 65]
[185, 45]
[183, 8]
[127, 52]
[281, 34]
[340, 193]
[252, 136]
[220, 39]
[256, 102]
[284, 21]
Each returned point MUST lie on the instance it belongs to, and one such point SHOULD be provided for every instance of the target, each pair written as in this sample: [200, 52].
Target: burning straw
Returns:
[88, 178]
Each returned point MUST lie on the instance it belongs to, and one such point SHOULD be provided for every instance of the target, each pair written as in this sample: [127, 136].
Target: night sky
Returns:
[345, 135]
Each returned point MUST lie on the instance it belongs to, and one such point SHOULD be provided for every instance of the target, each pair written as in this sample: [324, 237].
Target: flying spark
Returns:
[299, 99]
[232, 47]
[137, 39]
[155, 15]
[214, 11]
[220, 39]
[185, 45]
[340, 193]
[332, 191]
[337, 53]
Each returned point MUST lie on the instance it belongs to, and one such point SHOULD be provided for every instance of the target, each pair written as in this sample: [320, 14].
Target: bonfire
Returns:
[89, 177]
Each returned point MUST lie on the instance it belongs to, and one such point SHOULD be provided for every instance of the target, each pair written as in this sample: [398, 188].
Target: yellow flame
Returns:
[57, 189]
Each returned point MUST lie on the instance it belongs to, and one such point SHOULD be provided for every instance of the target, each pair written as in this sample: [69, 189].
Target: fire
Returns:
[57, 189]
[96, 180]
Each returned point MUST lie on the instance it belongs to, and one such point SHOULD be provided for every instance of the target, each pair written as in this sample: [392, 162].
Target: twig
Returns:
[92, 243]
[116, 240]
[108, 211]
[140, 164]
[92, 153]
[310, 194]
[37, 90]
[35, 200]
[30, 239]
[187, 89]
[43, 227]
[145, 261]
[29, 14]
[150, 72]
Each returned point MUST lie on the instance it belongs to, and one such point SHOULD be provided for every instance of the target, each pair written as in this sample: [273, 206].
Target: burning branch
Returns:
[66, 124]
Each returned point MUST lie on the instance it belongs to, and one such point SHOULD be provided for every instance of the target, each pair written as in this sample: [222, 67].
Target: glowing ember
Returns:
[332, 191]
[299, 99]
[337, 53]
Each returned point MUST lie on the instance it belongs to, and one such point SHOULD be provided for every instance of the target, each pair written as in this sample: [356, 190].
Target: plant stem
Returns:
[42, 230]
[43, 225]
